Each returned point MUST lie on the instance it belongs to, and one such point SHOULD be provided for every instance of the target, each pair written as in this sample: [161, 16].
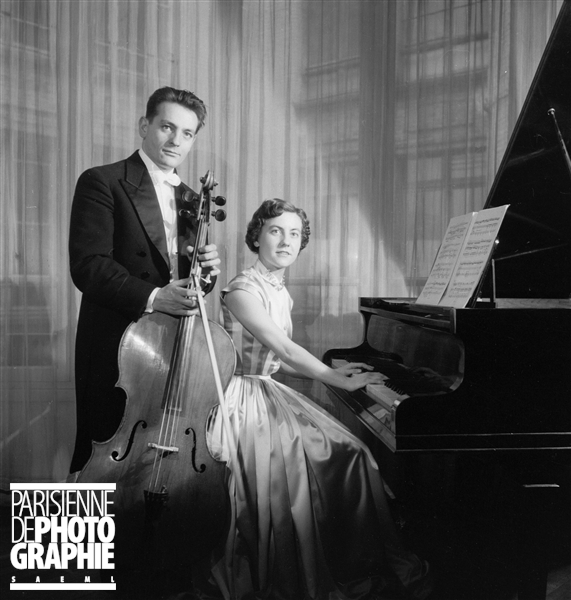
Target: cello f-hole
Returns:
[115, 454]
[202, 467]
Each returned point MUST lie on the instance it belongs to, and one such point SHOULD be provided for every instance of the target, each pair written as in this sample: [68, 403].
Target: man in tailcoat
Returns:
[129, 251]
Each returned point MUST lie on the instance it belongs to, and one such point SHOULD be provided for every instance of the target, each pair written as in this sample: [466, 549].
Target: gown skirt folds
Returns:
[309, 515]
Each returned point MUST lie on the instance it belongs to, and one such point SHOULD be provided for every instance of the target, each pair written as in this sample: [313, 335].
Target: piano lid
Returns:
[533, 257]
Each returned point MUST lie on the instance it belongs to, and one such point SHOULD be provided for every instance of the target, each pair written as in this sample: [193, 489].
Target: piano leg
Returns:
[535, 502]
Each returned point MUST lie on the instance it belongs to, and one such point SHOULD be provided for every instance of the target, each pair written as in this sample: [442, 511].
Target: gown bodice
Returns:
[253, 357]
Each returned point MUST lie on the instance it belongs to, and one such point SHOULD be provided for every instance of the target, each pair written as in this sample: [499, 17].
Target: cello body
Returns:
[171, 498]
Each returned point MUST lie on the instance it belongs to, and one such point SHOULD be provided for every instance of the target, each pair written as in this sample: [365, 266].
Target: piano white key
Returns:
[381, 393]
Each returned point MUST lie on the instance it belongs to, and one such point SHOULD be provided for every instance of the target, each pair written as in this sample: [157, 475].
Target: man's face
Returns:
[168, 138]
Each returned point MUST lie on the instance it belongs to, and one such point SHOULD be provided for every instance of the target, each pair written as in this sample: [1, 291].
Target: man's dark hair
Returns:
[270, 209]
[182, 97]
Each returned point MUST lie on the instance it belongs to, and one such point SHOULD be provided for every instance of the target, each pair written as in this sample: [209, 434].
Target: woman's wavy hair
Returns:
[270, 209]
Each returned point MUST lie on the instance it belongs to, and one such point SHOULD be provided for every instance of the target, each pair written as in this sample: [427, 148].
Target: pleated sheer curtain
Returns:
[381, 119]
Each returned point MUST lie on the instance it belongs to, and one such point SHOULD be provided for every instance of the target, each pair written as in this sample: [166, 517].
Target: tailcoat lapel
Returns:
[139, 187]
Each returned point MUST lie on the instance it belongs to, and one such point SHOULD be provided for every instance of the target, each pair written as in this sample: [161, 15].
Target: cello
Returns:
[171, 501]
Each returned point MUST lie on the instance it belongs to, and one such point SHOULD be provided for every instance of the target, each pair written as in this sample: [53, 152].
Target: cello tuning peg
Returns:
[219, 215]
[188, 196]
[220, 201]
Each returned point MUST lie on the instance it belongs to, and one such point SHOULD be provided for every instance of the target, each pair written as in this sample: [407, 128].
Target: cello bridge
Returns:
[163, 448]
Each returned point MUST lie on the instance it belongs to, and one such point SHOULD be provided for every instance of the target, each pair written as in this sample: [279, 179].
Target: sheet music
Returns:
[446, 259]
[471, 263]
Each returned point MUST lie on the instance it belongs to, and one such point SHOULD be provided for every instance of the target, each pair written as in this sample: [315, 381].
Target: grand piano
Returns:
[491, 380]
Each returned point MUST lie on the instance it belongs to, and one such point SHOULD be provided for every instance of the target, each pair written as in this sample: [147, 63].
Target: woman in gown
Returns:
[309, 516]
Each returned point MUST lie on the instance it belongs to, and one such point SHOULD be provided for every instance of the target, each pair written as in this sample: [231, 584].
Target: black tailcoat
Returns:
[118, 255]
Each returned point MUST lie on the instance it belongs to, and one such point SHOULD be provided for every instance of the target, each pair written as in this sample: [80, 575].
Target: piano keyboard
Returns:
[379, 392]
[383, 394]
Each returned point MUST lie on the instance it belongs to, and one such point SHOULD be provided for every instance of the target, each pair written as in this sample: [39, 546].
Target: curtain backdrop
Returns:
[381, 119]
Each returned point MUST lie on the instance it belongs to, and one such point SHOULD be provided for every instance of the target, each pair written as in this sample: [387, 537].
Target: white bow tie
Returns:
[171, 178]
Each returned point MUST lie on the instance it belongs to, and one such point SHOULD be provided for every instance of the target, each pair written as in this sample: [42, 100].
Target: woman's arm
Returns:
[252, 315]
[352, 368]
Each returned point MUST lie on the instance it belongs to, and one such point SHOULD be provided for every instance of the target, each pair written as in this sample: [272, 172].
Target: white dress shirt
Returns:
[164, 184]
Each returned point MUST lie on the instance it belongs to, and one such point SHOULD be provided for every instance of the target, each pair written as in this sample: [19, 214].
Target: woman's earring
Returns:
[256, 244]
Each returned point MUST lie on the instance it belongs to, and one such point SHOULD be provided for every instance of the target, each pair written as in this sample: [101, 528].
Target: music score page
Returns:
[448, 253]
[462, 258]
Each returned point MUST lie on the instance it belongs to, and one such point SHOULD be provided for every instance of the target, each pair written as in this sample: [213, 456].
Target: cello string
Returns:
[176, 410]
[173, 404]
[175, 417]
[173, 398]
[153, 480]
[165, 419]
[192, 288]
[189, 328]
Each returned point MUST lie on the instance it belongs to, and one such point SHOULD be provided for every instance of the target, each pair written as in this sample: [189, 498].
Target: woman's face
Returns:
[279, 241]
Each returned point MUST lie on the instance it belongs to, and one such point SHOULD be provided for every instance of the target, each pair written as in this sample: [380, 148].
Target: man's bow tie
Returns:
[171, 178]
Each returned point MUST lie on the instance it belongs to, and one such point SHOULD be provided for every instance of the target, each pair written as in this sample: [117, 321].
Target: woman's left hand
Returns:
[360, 380]
[353, 369]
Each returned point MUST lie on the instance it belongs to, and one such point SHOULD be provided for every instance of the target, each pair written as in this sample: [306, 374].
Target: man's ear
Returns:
[143, 127]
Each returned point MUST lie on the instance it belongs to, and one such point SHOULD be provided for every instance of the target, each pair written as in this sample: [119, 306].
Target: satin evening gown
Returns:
[310, 519]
